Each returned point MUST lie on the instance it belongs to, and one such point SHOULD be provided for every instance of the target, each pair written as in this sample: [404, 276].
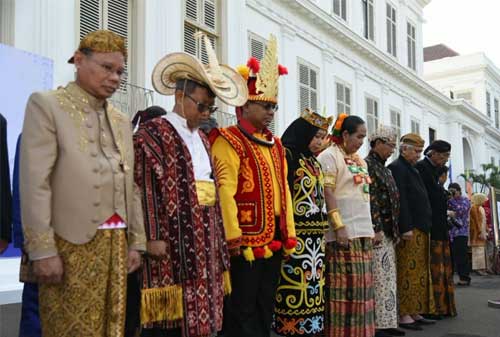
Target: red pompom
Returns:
[290, 243]
[275, 245]
[253, 64]
[282, 70]
[259, 252]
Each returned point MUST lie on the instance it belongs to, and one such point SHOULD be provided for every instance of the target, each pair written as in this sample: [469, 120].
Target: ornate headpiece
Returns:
[225, 82]
[102, 41]
[316, 119]
[385, 133]
[336, 132]
[262, 77]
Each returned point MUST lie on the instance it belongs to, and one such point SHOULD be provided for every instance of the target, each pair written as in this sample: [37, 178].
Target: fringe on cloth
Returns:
[226, 279]
[161, 304]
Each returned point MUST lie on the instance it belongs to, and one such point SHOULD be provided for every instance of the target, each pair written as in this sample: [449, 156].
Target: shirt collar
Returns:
[248, 127]
[179, 121]
[82, 96]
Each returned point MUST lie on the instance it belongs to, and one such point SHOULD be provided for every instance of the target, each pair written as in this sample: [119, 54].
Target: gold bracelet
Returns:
[335, 219]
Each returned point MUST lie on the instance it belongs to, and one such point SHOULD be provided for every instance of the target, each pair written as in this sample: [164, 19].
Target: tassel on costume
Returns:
[226, 279]
[258, 252]
[161, 304]
[267, 252]
[248, 254]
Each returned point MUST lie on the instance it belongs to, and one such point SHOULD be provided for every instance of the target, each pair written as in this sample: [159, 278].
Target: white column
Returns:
[288, 98]
[7, 22]
[359, 93]
[457, 151]
[163, 35]
[48, 28]
[384, 113]
[327, 90]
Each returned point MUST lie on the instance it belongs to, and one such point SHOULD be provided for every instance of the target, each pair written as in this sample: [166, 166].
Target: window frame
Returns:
[343, 9]
[310, 67]
[391, 34]
[496, 110]
[411, 45]
[488, 104]
[345, 86]
[366, 20]
[415, 125]
[376, 116]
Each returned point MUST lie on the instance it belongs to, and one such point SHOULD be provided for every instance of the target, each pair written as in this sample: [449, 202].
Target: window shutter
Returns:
[189, 40]
[209, 14]
[117, 21]
[192, 9]
[257, 48]
[90, 16]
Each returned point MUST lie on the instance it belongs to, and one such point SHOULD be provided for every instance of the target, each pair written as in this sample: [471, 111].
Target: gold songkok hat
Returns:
[412, 139]
[385, 133]
[316, 119]
[262, 76]
[225, 82]
[102, 41]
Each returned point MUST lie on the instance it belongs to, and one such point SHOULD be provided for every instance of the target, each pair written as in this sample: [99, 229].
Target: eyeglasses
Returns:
[203, 107]
[109, 69]
[268, 106]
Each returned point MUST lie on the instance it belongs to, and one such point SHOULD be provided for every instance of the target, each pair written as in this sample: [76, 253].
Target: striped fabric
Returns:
[350, 309]
[442, 278]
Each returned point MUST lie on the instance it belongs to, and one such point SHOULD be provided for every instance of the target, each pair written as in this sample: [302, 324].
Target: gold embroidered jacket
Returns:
[76, 170]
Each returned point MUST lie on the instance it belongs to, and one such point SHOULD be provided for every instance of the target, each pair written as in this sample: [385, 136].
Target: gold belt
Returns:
[206, 192]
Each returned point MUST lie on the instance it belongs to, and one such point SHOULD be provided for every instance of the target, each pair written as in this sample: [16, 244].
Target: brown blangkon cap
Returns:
[102, 41]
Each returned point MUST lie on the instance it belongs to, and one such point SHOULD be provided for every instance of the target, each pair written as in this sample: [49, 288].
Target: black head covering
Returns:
[440, 146]
[143, 116]
[297, 137]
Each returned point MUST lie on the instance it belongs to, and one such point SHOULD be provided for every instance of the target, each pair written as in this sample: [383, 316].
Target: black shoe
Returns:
[394, 332]
[411, 326]
[381, 333]
[425, 321]
[433, 317]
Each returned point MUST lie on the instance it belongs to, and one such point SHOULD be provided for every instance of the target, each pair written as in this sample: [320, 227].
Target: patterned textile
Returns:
[300, 302]
[350, 309]
[461, 207]
[255, 196]
[442, 278]
[92, 297]
[414, 277]
[384, 197]
[384, 281]
[478, 257]
[186, 289]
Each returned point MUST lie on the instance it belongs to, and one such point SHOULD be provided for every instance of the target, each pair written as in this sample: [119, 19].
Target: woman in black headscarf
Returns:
[300, 302]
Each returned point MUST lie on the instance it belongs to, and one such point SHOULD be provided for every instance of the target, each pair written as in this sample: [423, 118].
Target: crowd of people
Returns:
[230, 231]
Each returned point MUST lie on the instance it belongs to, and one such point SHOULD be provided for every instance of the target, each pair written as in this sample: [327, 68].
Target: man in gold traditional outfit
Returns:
[78, 202]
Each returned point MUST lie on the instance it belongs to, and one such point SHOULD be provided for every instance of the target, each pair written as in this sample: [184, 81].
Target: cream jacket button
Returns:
[86, 110]
[97, 187]
[94, 154]
[95, 220]
[89, 236]
[96, 203]
[96, 170]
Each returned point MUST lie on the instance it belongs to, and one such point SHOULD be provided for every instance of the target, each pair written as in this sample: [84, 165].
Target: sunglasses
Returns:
[268, 106]
[203, 107]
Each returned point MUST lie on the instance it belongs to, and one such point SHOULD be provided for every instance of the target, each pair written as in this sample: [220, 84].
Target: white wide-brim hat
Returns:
[226, 83]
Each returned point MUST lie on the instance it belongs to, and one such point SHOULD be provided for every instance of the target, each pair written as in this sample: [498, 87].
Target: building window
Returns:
[495, 106]
[256, 46]
[308, 86]
[113, 15]
[488, 104]
[415, 126]
[200, 15]
[412, 43]
[371, 115]
[391, 30]
[432, 135]
[368, 19]
[396, 125]
[340, 9]
[343, 99]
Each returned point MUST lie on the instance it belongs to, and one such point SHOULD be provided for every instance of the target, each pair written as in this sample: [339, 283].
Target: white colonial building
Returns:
[362, 57]
[476, 80]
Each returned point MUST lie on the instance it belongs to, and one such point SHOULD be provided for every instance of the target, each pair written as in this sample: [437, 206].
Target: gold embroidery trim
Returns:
[330, 180]
[246, 173]
[75, 111]
[38, 240]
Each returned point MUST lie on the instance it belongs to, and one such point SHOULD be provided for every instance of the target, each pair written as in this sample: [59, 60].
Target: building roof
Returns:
[438, 51]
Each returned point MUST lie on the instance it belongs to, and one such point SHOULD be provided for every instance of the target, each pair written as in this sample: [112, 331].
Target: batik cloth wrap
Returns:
[186, 289]
[91, 299]
[442, 278]
[415, 291]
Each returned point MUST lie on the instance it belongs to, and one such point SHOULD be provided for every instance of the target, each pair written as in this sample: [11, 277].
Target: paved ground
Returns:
[475, 318]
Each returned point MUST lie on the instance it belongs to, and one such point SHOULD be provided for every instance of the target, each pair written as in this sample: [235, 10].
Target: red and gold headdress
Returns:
[262, 77]
[336, 132]
[316, 119]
